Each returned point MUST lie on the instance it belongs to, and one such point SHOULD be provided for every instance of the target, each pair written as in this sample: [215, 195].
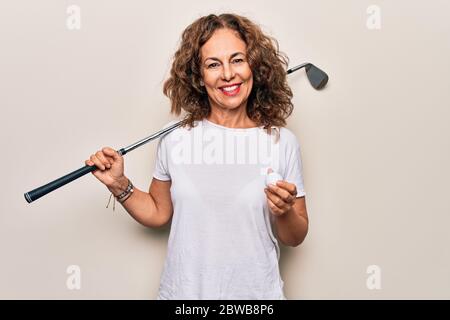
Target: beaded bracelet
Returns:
[128, 190]
[123, 196]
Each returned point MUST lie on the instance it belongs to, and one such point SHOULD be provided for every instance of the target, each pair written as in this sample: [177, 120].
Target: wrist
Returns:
[119, 186]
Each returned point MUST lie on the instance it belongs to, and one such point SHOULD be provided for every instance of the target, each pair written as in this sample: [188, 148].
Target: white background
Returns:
[375, 143]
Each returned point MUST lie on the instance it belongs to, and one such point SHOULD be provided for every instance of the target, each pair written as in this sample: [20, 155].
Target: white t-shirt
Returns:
[221, 242]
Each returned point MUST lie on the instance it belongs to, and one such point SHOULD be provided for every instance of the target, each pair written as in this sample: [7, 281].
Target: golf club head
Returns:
[316, 77]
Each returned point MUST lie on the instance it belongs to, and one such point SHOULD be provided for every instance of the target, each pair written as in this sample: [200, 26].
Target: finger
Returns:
[103, 159]
[290, 187]
[276, 200]
[274, 208]
[97, 162]
[111, 152]
[89, 163]
[109, 158]
[282, 193]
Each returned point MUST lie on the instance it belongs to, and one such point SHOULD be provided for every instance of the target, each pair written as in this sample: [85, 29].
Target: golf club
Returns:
[316, 77]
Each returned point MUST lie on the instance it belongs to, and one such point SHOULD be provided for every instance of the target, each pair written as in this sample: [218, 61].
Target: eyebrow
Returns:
[232, 56]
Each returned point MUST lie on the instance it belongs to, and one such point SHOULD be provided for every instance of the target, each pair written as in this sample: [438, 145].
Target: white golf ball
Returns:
[272, 178]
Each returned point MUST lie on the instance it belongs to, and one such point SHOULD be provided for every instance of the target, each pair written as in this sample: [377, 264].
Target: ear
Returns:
[202, 83]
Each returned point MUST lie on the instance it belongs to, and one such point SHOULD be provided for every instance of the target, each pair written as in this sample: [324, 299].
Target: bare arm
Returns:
[151, 209]
[292, 226]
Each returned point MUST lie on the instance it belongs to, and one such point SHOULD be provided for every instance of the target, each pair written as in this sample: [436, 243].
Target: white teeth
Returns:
[230, 88]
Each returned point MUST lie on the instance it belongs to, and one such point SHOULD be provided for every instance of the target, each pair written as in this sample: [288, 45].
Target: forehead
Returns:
[223, 43]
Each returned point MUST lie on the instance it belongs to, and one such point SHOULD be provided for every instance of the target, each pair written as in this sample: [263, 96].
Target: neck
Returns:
[231, 118]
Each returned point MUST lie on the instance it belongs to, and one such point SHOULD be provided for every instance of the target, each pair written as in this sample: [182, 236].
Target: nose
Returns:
[228, 72]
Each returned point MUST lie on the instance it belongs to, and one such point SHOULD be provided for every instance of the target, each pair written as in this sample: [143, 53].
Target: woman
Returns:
[230, 80]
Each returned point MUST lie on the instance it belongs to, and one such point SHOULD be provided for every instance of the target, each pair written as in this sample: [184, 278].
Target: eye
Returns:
[238, 60]
[213, 65]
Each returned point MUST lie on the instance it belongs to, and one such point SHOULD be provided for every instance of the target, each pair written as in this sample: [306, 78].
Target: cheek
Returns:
[210, 80]
[249, 76]
[250, 82]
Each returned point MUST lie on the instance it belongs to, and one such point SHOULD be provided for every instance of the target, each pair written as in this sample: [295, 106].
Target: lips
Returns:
[231, 90]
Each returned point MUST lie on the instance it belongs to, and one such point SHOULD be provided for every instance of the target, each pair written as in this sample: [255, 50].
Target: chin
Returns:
[232, 107]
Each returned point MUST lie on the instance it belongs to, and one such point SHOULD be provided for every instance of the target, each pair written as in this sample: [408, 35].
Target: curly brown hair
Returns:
[269, 102]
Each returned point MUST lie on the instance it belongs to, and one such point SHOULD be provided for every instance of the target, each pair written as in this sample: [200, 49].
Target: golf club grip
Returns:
[49, 187]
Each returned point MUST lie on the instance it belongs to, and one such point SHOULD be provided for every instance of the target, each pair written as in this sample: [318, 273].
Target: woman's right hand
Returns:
[110, 166]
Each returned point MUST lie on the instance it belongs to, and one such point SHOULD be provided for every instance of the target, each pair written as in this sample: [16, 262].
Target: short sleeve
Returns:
[161, 171]
[294, 168]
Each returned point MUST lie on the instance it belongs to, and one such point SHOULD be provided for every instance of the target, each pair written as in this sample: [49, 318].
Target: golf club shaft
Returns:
[51, 186]
[297, 67]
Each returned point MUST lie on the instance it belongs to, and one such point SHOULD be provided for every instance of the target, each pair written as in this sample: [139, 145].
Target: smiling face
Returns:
[226, 73]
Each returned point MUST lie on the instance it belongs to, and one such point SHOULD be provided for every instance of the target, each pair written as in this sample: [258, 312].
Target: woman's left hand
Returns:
[280, 197]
